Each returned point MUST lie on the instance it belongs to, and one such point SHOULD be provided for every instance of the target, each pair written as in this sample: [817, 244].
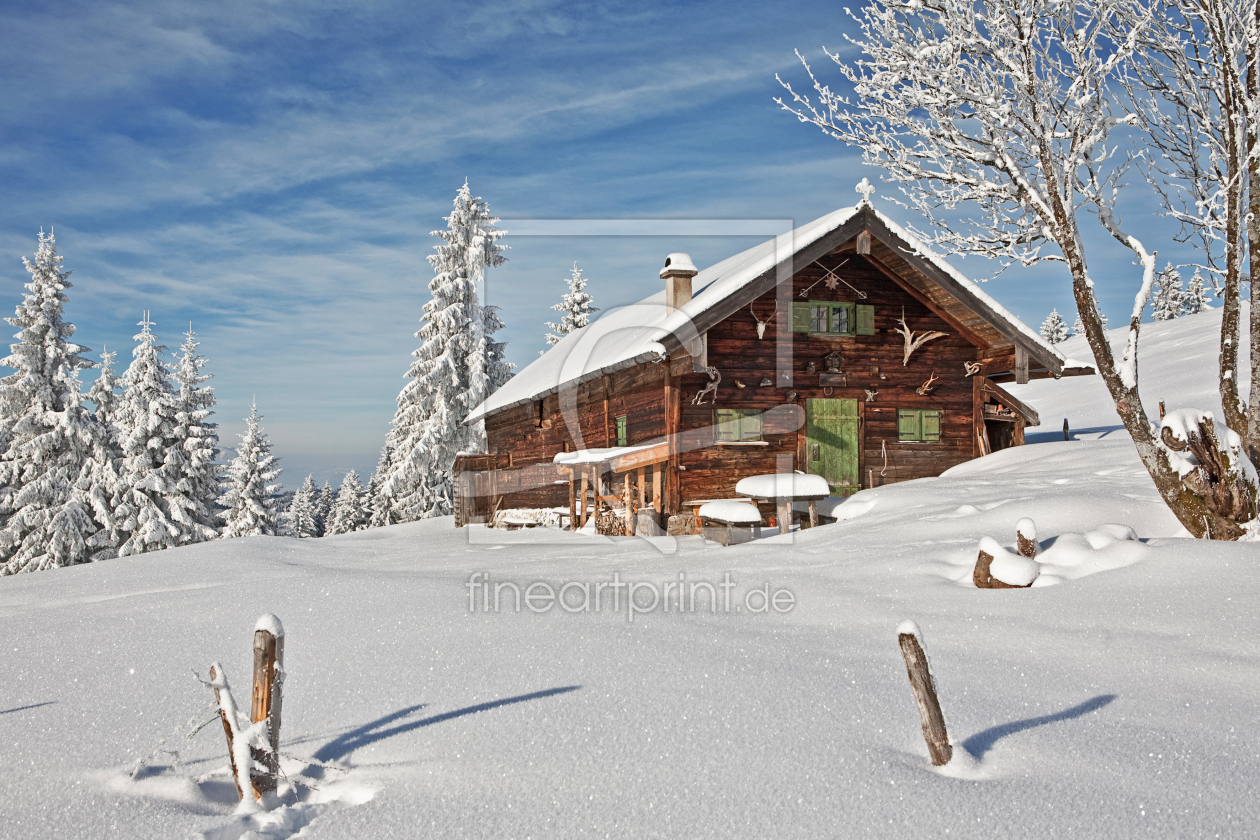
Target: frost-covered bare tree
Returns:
[1007, 106]
[1194, 85]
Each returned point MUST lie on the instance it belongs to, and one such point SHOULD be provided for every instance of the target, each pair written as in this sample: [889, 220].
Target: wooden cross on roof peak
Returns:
[866, 189]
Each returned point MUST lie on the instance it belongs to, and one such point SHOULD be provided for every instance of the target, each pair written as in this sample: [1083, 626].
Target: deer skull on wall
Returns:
[761, 325]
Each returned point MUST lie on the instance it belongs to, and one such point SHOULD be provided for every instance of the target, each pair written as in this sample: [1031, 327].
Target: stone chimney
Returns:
[677, 275]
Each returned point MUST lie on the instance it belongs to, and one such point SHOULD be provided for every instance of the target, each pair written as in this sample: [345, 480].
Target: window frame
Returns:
[921, 435]
[745, 420]
[860, 318]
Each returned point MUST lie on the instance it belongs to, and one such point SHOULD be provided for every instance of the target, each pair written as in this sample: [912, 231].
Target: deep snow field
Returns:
[1119, 701]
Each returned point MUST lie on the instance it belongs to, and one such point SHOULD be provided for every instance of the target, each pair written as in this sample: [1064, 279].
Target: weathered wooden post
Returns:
[911, 640]
[217, 678]
[1067, 431]
[265, 702]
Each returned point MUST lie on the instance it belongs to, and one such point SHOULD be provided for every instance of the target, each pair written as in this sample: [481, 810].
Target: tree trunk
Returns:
[1191, 509]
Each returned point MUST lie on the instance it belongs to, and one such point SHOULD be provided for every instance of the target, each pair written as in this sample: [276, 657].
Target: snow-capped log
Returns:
[997, 568]
[1026, 537]
[910, 638]
[1210, 459]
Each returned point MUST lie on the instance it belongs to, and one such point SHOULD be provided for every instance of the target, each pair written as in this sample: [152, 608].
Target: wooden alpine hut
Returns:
[844, 349]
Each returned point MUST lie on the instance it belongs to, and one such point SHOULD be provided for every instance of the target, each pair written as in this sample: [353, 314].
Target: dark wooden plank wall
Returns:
[524, 447]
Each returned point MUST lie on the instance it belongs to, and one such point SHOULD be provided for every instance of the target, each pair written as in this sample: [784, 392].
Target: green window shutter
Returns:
[931, 424]
[726, 424]
[800, 317]
[750, 425]
[907, 424]
[865, 319]
[622, 430]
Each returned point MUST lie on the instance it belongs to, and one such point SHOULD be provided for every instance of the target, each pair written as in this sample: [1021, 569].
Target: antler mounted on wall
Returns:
[761, 325]
[913, 343]
[923, 389]
[971, 368]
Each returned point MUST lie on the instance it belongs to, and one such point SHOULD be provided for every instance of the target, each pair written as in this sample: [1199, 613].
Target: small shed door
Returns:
[832, 441]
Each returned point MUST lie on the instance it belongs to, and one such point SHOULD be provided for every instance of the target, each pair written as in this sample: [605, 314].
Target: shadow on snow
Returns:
[982, 742]
[379, 729]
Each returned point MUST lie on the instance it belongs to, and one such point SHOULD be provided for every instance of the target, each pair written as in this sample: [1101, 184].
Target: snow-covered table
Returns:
[740, 520]
[783, 489]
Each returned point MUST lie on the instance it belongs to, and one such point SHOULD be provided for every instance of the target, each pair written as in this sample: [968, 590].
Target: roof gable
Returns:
[647, 331]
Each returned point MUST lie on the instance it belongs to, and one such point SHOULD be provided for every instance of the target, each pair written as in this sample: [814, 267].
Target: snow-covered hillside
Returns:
[1118, 702]
[1177, 363]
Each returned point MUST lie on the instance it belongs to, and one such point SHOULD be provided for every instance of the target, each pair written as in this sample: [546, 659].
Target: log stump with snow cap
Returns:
[1026, 538]
[997, 568]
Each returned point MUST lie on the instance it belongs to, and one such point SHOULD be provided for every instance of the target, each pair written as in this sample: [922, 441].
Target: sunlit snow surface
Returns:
[1119, 703]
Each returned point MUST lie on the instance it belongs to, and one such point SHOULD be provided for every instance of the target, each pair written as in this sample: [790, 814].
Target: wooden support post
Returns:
[783, 511]
[573, 523]
[582, 502]
[217, 678]
[939, 749]
[642, 488]
[813, 513]
[1067, 433]
[265, 701]
[1021, 365]
[627, 502]
[656, 486]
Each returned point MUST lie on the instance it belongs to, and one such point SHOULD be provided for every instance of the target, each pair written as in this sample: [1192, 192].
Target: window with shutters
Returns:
[823, 317]
[736, 424]
[919, 425]
[622, 431]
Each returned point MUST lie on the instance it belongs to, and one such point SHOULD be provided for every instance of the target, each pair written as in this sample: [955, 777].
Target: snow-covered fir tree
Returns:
[53, 509]
[1167, 296]
[109, 461]
[104, 391]
[155, 508]
[1196, 298]
[576, 306]
[323, 508]
[380, 507]
[1054, 329]
[348, 513]
[457, 366]
[302, 516]
[249, 496]
[198, 440]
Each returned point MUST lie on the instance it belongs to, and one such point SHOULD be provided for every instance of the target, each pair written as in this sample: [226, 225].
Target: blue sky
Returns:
[271, 172]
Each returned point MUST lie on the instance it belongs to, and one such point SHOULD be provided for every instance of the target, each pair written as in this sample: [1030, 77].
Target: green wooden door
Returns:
[832, 441]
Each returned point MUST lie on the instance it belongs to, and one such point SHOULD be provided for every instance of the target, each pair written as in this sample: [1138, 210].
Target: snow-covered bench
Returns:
[729, 521]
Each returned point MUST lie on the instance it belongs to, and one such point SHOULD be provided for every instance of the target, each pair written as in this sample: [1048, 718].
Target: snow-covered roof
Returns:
[632, 335]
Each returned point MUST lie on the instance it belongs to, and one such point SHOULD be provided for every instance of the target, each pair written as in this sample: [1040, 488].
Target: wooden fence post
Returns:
[265, 701]
[215, 678]
[910, 639]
